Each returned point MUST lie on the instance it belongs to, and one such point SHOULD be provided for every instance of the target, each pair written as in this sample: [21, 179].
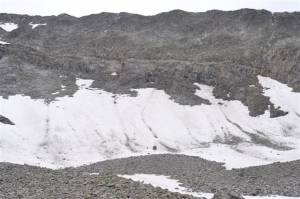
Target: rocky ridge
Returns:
[169, 51]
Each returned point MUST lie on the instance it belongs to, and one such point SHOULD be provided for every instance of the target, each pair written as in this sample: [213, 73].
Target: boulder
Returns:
[5, 120]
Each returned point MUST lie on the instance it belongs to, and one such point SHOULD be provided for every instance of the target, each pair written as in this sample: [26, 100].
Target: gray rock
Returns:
[207, 176]
[226, 194]
[5, 120]
[194, 173]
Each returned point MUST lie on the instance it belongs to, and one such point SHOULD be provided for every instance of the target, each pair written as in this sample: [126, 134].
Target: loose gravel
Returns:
[207, 176]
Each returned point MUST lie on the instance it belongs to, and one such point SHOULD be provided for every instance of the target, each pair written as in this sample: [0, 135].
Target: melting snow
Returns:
[35, 25]
[95, 125]
[281, 95]
[3, 43]
[114, 74]
[165, 182]
[8, 27]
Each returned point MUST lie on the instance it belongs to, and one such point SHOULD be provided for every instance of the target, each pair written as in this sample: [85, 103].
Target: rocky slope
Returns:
[207, 176]
[33, 183]
[168, 51]
[100, 180]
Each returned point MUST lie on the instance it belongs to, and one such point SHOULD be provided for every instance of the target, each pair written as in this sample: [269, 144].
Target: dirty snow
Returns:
[96, 125]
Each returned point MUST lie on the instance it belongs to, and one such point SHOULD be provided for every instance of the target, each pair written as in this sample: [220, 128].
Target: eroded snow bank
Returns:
[95, 125]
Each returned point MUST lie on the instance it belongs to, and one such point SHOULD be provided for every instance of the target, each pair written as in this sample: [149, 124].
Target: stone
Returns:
[226, 194]
[5, 120]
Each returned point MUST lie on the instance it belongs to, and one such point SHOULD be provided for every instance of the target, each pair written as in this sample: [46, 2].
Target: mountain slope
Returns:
[222, 85]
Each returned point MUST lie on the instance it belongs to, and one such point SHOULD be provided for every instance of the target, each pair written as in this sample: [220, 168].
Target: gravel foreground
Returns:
[22, 181]
[35, 183]
[207, 176]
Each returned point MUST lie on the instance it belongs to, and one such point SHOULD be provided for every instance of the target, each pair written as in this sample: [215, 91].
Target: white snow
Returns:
[96, 125]
[8, 27]
[114, 74]
[270, 197]
[35, 25]
[165, 182]
[281, 95]
[3, 43]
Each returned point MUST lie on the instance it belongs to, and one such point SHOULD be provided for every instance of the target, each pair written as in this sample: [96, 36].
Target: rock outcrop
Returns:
[5, 120]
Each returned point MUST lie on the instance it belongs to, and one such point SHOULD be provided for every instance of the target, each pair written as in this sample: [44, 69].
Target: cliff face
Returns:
[169, 51]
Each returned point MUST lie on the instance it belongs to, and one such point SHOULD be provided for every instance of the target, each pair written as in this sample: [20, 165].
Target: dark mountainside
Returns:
[169, 51]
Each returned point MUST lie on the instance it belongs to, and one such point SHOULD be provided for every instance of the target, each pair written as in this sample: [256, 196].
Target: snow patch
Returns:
[3, 43]
[165, 182]
[8, 27]
[114, 74]
[281, 95]
[35, 25]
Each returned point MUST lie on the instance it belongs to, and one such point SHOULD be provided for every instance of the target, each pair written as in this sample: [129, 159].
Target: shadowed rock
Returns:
[5, 120]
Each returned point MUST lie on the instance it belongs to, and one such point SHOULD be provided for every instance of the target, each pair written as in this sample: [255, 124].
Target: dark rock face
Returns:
[169, 51]
[276, 112]
[5, 120]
